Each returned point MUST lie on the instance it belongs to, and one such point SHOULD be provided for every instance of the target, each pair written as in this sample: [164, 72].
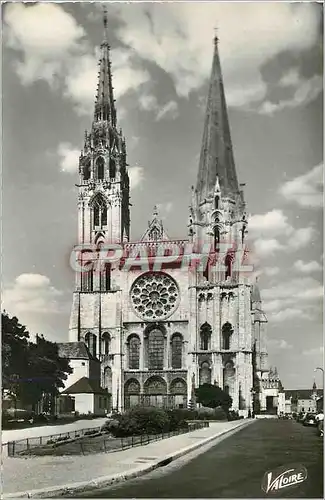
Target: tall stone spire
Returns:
[104, 103]
[216, 157]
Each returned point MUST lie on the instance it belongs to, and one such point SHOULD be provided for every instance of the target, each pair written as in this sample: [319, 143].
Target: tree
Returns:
[212, 396]
[14, 352]
[31, 371]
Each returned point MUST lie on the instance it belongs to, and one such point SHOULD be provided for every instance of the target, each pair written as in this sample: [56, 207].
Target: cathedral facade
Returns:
[169, 315]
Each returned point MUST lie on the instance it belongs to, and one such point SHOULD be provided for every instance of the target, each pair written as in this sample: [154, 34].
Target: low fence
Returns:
[15, 447]
[104, 443]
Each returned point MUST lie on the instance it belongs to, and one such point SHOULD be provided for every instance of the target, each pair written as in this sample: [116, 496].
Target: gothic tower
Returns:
[103, 214]
[218, 221]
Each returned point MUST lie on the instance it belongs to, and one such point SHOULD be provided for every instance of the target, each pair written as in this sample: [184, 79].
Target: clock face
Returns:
[154, 296]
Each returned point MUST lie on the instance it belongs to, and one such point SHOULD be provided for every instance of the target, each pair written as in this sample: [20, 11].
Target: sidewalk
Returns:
[54, 476]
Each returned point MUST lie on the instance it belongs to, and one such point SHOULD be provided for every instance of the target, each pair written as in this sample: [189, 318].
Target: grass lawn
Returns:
[99, 444]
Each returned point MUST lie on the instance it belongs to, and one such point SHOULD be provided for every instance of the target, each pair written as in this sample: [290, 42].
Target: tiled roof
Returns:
[85, 386]
[74, 350]
[301, 393]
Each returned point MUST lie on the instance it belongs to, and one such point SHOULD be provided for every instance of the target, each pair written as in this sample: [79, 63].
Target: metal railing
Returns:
[106, 443]
[15, 447]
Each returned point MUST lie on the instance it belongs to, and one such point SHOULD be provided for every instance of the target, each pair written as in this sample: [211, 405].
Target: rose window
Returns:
[154, 296]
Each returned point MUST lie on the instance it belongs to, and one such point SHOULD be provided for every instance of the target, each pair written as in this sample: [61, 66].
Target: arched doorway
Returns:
[155, 392]
[178, 393]
[131, 393]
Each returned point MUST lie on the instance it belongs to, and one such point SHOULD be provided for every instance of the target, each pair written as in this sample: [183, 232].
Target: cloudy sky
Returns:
[161, 56]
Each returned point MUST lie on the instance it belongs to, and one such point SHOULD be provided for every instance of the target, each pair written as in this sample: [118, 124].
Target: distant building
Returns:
[88, 397]
[82, 392]
[302, 400]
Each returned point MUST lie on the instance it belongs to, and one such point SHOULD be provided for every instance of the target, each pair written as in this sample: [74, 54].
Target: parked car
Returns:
[320, 416]
[301, 417]
[310, 420]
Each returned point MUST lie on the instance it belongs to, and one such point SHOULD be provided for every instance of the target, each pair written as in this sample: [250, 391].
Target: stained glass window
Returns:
[177, 347]
[134, 353]
[156, 347]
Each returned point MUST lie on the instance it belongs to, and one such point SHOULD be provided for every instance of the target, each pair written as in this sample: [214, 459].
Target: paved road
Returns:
[235, 467]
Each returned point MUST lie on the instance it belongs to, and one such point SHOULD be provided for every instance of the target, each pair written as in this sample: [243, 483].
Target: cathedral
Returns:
[160, 331]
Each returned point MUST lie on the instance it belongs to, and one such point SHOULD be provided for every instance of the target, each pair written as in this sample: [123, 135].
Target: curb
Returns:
[102, 482]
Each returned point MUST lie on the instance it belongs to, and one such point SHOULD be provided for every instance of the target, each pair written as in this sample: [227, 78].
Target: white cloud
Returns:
[301, 238]
[272, 223]
[266, 247]
[305, 190]
[307, 267]
[148, 102]
[128, 75]
[271, 271]
[291, 78]
[43, 34]
[306, 92]
[271, 232]
[298, 289]
[279, 344]
[177, 37]
[169, 110]
[69, 158]
[80, 83]
[315, 351]
[53, 48]
[290, 313]
[31, 293]
[136, 175]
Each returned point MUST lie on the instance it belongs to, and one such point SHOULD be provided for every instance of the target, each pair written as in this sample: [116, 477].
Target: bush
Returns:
[220, 414]
[140, 420]
[178, 418]
[233, 415]
[205, 413]
[110, 425]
